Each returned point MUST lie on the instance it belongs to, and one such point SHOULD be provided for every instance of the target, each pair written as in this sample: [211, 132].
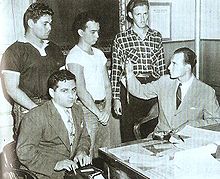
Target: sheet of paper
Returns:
[197, 163]
[196, 137]
[202, 134]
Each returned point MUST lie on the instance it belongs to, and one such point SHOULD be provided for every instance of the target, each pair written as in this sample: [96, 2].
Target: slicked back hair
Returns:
[189, 56]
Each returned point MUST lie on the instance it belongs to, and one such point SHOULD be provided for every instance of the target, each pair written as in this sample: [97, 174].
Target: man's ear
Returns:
[51, 92]
[80, 32]
[30, 23]
[188, 67]
[130, 15]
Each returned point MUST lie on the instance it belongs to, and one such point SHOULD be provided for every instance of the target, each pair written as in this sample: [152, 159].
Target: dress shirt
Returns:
[185, 86]
[65, 118]
[146, 54]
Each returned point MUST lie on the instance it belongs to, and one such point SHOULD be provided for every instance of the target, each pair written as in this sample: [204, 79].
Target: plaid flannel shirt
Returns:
[147, 56]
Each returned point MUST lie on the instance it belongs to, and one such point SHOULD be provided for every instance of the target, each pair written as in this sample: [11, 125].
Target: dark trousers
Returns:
[134, 111]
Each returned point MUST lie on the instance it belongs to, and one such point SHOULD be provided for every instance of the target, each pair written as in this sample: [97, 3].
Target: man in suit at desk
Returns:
[182, 98]
[53, 137]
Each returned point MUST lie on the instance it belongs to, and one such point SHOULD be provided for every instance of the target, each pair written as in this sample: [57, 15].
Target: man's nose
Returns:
[169, 67]
[97, 35]
[49, 27]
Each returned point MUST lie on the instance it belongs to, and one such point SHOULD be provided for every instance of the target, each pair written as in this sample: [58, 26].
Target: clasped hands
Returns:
[71, 165]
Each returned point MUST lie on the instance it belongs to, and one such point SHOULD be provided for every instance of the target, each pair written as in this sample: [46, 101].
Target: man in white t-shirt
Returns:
[92, 81]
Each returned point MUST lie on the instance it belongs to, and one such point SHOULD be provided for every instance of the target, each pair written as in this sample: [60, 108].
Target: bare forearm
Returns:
[108, 99]
[21, 98]
[87, 100]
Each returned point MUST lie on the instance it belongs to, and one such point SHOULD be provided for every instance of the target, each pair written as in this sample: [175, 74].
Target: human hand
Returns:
[67, 165]
[128, 67]
[83, 159]
[117, 107]
[103, 117]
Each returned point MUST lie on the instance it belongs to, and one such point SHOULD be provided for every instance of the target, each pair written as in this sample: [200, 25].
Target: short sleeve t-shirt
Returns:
[34, 69]
[93, 69]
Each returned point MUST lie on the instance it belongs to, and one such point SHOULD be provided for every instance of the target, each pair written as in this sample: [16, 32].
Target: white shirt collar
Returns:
[41, 50]
[62, 111]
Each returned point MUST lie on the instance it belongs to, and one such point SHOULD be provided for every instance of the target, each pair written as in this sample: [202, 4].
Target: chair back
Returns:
[10, 159]
[152, 115]
[11, 164]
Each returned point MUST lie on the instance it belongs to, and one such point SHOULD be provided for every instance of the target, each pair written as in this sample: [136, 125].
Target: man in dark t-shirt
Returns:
[27, 64]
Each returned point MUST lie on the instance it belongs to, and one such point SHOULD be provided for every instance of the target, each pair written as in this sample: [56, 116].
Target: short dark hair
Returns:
[81, 20]
[189, 56]
[60, 75]
[35, 11]
[134, 3]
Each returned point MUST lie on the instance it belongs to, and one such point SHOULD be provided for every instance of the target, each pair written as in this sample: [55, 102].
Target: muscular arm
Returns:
[83, 94]
[107, 89]
[11, 81]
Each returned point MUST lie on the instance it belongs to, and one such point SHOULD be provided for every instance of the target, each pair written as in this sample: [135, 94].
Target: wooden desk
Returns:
[110, 155]
[122, 165]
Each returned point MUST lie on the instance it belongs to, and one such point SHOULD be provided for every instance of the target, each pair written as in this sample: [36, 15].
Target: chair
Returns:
[11, 164]
[152, 115]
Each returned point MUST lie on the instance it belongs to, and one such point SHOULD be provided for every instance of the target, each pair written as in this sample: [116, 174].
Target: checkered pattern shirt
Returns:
[147, 56]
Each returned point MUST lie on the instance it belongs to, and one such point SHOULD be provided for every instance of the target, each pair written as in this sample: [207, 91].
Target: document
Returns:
[197, 163]
[196, 137]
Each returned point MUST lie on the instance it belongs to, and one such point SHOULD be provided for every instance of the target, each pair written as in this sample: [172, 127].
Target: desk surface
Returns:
[136, 158]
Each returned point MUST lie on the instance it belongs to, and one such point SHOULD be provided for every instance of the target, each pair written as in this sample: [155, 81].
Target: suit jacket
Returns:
[199, 105]
[43, 139]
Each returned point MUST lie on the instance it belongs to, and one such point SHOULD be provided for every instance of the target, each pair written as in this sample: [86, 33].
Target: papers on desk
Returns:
[190, 159]
[196, 137]
[197, 163]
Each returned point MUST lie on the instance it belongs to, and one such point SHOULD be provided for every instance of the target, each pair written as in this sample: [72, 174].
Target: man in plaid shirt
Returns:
[143, 46]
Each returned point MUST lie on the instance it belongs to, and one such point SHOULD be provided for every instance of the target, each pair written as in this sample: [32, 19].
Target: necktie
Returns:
[71, 129]
[178, 96]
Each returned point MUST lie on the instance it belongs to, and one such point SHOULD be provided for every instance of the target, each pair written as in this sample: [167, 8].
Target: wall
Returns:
[210, 63]
[210, 19]
[210, 44]
[170, 47]
[182, 19]
[107, 11]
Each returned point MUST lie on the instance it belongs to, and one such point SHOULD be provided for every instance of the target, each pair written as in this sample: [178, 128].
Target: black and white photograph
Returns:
[109, 89]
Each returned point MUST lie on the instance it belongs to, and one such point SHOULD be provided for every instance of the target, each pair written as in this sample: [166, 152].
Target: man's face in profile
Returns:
[177, 67]
[41, 29]
[65, 93]
[91, 34]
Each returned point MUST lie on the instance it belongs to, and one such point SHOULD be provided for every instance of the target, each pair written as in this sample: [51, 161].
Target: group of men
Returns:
[62, 116]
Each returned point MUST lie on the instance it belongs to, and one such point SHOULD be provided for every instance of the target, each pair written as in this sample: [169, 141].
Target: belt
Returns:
[145, 78]
[99, 101]
[144, 75]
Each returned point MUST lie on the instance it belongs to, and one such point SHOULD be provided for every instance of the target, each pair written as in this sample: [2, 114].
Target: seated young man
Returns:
[53, 137]
[182, 98]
